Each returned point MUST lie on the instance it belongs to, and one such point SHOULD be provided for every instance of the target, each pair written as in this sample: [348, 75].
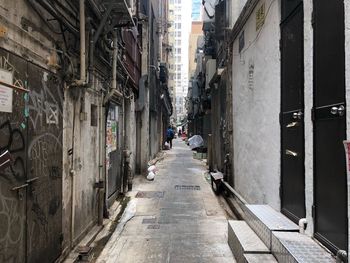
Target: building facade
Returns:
[279, 137]
[78, 82]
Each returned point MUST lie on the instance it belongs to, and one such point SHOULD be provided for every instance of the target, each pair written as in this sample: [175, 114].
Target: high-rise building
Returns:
[180, 37]
[196, 10]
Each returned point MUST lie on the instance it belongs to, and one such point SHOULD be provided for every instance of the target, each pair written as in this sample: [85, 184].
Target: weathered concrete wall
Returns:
[84, 161]
[256, 107]
[131, 131]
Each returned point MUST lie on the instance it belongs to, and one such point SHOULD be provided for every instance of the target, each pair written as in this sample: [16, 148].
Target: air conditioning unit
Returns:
[210, 70]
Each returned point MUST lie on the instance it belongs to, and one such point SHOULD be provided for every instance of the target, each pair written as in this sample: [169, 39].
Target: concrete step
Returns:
[293, 247]
[263, 219]
[242, 241]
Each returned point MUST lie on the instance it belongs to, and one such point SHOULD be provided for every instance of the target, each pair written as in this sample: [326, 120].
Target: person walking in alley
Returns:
[170, 136]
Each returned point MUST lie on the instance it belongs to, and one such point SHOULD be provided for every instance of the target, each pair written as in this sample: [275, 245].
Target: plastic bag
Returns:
[151, 176]
[195, 141]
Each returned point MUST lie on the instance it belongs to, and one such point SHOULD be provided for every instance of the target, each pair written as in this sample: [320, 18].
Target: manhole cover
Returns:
[149, 220]
[153, 226]
[150, 194]
[188, 187]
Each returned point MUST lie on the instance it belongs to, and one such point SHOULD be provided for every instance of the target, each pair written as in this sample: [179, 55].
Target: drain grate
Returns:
[188, 187]
[149, 220]
[153, 226]
[150, 194]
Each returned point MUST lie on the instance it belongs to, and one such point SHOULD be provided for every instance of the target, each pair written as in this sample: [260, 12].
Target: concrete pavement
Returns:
[175, 218]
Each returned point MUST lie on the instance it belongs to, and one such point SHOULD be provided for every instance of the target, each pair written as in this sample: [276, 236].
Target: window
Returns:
[94, 116]
[178, 34]
[177, 25]
[178, 41]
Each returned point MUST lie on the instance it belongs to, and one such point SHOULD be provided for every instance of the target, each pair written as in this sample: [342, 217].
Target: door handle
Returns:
[29, 181]
[338, 110]
[291, 153]
[298, 115]
[292, 124]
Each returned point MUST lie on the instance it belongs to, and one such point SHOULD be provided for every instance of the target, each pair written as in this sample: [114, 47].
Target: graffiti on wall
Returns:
[30, 149]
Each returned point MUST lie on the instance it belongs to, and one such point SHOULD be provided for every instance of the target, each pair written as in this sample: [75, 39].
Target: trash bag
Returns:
[195, 141]
[151, 176]
[152, 168]
[166, 146]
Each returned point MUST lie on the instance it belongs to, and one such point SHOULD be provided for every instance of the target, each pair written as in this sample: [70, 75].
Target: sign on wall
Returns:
[6, 93]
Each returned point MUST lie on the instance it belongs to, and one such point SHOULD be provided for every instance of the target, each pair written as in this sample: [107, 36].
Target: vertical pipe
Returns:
[115, 60]
[82, 40]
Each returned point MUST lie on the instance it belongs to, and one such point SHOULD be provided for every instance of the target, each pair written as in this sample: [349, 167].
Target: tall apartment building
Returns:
[180, 37]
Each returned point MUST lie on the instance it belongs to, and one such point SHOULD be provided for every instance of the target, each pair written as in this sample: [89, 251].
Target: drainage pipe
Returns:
[234, 192]
[342, 256]
[302, 225]
[82, 80]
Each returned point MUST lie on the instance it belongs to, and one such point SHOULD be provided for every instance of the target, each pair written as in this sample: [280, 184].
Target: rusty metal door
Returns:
[114, 152]
[292, 110]
[31, 179]
[330, 181]
[13, 163]
[44, 201]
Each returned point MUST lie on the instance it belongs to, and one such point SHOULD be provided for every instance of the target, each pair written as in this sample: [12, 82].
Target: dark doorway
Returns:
[330, 193]
[292, 111]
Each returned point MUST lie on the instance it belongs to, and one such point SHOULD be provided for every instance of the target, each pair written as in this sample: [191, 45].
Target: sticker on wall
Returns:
[6, 94]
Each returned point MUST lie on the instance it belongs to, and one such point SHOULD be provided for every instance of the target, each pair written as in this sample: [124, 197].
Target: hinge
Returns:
[313, 211]
[312, 18]
[313, 114]
[280, 118]
[280, 44]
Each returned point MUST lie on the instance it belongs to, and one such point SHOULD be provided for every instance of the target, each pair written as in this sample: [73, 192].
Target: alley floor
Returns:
[175, 218]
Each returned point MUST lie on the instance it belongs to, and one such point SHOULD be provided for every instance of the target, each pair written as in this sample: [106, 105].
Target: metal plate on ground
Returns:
[187, 187]
[272, 219]
[150, 194]
[259, 258]
[292, 247]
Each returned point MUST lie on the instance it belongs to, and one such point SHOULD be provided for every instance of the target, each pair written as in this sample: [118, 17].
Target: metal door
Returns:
[13, 163]
[113, 153]
[44, 201]
[330, 193]
[292, 111]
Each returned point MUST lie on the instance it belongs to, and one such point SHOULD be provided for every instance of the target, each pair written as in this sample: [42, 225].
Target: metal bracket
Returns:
[20, 190]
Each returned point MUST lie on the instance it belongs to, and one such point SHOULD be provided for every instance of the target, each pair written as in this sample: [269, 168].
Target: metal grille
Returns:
[149, 220]
[153, 226]
[188, 187]
[150, 194]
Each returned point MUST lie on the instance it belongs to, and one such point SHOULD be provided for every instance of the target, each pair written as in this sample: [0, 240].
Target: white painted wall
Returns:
[347, 79]
[256, 107]
[308, 101]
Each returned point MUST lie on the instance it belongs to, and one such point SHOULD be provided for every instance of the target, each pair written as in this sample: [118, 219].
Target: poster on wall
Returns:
[6, 94]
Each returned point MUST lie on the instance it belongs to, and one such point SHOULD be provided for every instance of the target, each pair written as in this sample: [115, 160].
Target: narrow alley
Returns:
[253, 94]
[175, 218]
